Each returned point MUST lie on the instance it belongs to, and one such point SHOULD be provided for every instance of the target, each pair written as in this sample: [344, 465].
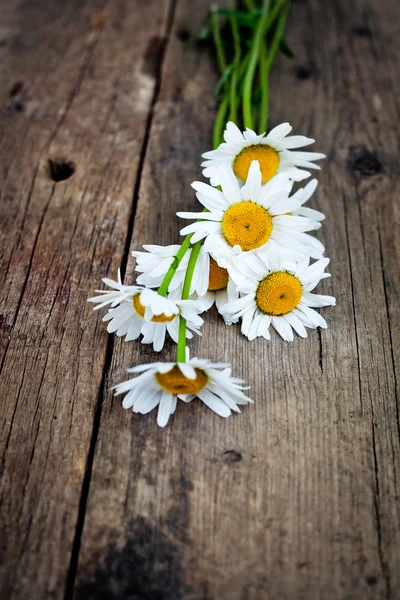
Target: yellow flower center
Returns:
[267, 157]
[175, 382]
[218, 278]
[140, 309]
[278, 293]
[247, 224]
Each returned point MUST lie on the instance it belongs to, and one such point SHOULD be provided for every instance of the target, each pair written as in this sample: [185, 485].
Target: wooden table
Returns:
[297, 497]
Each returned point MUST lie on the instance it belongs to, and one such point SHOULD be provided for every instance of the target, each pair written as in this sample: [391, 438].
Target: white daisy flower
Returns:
[210, 283]
[139, 311]
[161, 384]
[274, 152]
[250, 219]
[278, 292]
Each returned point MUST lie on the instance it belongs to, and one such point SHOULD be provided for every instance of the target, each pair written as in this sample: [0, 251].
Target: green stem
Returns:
[181, 349]
[264, 90]
[266, 62]
[242, 70]
[254, 55]
[233, 83]
[163, 289]
[216, 31]
[274, 12]
[278, 34]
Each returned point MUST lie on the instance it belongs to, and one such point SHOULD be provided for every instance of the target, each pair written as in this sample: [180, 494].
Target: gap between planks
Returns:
[72, 570]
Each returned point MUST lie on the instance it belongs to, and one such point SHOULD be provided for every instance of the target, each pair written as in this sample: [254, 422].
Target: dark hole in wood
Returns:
[16, 88]
[363, 161]
[371, 580]
[183, 35]
[362, 31]
[303, 73]
[61, 169]
[232, 456]
[18, 107]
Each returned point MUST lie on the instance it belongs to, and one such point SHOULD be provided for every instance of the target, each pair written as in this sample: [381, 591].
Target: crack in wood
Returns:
[72, 571]
[385, 284]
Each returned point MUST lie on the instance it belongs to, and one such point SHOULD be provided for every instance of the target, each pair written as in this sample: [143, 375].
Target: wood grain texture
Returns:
[297, 497]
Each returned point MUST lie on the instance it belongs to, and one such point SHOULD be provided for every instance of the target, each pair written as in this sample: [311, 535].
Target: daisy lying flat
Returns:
[278, 292]
[274, 152]
[250, 219]
[139, 311]
[161, 384]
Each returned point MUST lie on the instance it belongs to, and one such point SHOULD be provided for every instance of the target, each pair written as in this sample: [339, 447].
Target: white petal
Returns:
[148, 404]
[165, 409]
[283, 328]
[216, 404]
[232, 134]
[159, 336]
[297, 325]
[297, 141]
[252, 188]
[210, 197]
[229, 184]
[280, 131]
[318, 300]
[187, 370]
[204, 216]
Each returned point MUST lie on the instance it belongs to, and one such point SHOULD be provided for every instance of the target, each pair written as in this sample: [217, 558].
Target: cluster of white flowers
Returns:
[248, 251]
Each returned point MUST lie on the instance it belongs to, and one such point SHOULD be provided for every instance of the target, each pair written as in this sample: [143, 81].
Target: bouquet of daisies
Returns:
[249, 250]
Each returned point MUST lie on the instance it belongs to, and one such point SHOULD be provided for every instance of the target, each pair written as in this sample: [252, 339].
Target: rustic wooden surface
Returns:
[297, 497]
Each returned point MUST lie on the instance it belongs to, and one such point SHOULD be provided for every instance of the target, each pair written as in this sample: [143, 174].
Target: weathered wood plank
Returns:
[296, 497]
[78, 81]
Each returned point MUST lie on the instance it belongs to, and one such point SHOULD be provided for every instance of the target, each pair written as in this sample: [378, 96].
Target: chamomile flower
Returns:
[278, 292]
[250, 219]
[274, 151]
[210, 283]
[139, 311]
[161, 384]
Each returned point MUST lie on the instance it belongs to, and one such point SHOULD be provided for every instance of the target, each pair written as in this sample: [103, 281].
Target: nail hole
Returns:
[232, 456]
[362, 31]
[61, 169]
[303, 73]
[183, 35]
[16, 88]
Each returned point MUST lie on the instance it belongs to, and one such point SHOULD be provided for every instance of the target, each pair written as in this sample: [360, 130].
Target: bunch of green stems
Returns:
[245, 90]
[244, 97]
